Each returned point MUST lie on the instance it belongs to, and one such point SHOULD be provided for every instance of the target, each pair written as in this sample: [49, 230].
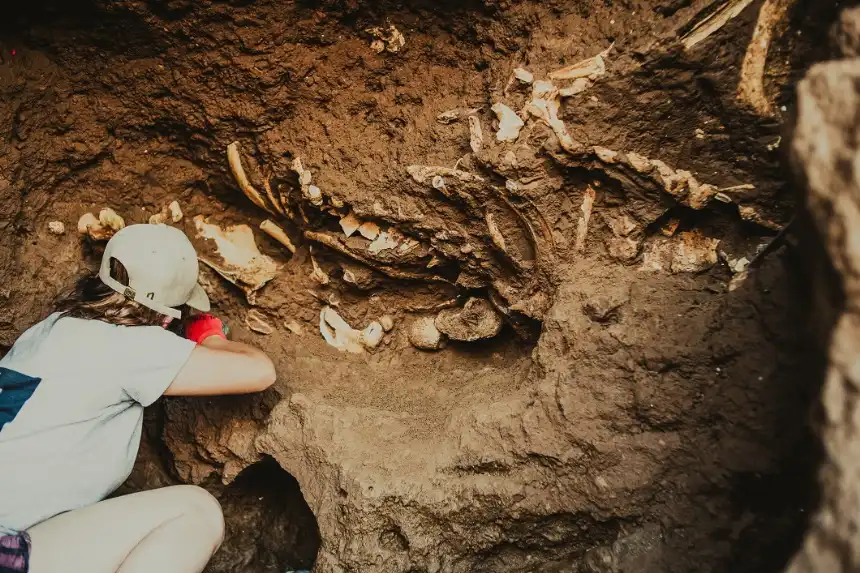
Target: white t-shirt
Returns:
[76, 438]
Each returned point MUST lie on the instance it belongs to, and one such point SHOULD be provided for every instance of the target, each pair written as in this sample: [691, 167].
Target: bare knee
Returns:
[201, 506]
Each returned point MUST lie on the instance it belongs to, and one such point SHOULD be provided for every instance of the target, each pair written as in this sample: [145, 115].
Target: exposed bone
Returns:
[510, 123]
[424, 335]
[102, 228]
[582, 224]
[477, 320]
[751, 86]
[56, 227]
[275, 202]
[387, 322]
[304, 174]
[750, 214]
[276, 232]
[171, 212]
[476, 135]
[372, 335]
[255, 321]
[544, 105]
[314, 195]
[452, 115]
[235, 256]
[294, 327]
[318, 274]
[235, 161]
[338, 333]
[714, 22]
[369, 230]
[335, 244]
[577, 87]
[590, 68]
[689, 252]
[424, 173]
[682, 185]
[350, 224]
[386, 240]
[390, 40]
[524, 75]
[495, 235]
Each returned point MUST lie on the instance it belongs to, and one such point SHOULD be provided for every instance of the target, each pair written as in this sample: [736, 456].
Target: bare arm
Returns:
[219, 366]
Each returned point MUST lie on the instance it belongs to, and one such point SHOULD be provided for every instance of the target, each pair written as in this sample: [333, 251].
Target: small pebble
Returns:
[56, 227]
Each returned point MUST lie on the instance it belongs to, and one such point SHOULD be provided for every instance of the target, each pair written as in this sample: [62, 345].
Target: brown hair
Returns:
[91, 299]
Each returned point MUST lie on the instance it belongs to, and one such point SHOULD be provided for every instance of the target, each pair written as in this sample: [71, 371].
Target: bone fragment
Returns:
[495, 235]
[582, 224]
[255, 321]
[294, 327]
[386, 240]
[387, 322]
[751, 86]
[369, 230]
[714, 22]
[591, 68]
[424, 173]
[56, 227]
[102, 228]
[276, 232]
[235, 161]
[233, 254]
[338, 333]
[386, 40]
[372, 335]
[350, 224]
[524, 76]
[275, 202]
[476, 135]
[577, 87]
[314, 195]
[171, 212]
[318, 274]
[544, 105]
[510, 123]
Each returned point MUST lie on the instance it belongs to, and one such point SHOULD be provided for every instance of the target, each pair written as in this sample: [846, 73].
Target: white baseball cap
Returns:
[162, 268]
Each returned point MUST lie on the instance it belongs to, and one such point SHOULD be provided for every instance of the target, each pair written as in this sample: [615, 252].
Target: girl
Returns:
[72, 393]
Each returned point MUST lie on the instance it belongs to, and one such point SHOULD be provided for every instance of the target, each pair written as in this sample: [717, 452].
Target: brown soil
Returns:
[615, 403]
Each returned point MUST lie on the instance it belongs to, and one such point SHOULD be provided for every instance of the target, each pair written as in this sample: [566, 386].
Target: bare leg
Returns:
[169, 530]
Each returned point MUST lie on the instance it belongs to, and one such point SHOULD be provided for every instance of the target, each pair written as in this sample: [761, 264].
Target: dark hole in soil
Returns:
[270, 527]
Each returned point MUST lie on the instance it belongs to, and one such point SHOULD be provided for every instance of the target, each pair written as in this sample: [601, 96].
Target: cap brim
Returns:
[199, 299]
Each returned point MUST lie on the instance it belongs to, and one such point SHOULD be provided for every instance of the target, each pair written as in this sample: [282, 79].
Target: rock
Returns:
[689, 252]
[360, 276]
[424, 335]
[386, 39]
[56, 227]
[369, 230]
[387, 322]
[477, 320]
[604, 307]
[824, 152]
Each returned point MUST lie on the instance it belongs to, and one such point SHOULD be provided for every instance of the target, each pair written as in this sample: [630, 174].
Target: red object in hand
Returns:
[203, 326]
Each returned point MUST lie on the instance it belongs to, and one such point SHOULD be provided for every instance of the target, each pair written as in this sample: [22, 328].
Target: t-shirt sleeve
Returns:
[151, 359]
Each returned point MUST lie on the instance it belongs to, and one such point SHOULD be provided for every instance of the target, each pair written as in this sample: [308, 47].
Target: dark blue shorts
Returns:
[15, 553]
